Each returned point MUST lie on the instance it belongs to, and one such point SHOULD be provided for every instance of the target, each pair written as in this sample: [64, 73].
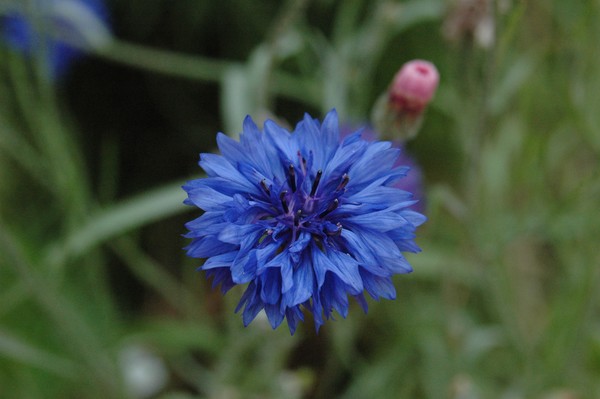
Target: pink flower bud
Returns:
[398, 113]
[414, 86]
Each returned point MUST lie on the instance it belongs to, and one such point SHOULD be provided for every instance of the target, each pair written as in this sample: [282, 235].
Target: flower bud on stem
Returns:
[398, 113]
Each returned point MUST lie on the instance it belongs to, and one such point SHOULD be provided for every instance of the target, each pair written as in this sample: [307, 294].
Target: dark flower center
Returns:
[305, 203]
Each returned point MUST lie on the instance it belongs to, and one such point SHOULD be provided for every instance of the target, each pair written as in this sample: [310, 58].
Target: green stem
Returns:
[153, 274]
[116, 220]
[164, 61]
[286, 19]
[200, 68]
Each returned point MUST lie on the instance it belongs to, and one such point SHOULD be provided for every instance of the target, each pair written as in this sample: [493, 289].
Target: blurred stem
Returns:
[286, 19]
[15, 347]
[14, 146]
[14, 142]
[363, 54]
[117, 219]
[190, 371]
[153, 274]
[480, 66]
[55, 164]
[575, 306]
[76, 333]
[482, 89]
[12, 297]
[108, 179]
[67, 165]
[346, 19]
[199, 68]
[37, 100]
[476, 132]
[164, 61]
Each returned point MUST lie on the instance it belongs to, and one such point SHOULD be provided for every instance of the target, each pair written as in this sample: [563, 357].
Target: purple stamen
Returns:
[333, 206]
[315, 184]
[292, 175]
[284, 201]
[343, 183]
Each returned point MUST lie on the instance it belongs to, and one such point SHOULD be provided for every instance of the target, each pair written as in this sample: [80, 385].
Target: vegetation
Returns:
[97, 297]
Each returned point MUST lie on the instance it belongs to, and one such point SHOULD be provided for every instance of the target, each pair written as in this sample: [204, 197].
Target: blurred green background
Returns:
[97, 299]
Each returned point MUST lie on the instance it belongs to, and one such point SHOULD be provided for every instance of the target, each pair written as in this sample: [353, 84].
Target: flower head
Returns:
[304, 218]
[399, 111]
[413, 86]
[58, 28]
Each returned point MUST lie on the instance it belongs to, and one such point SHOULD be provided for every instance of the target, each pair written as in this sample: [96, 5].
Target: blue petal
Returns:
[330, 130]
[208, 246]
[223, 260]
[356, 245]
[309, 139]
[322, 140]
[274, 315]
[252, 307]
[339, 163]
[243, 267]
[378, 286]
[234, 234]
[261, 155]
[231, 149]
[300, 244]
[271, 286]
[287, 276]
[415, 218]
[208, 199]
[283, 262]
[360, 298]
[376, 252]
[293, 316]
[376, 196]
[340, 264]
[397, 264]
[334, 296]
[381, 221]
[221, 276]
[220, 184]
[282, 141]
[346, 268]
[218, 166]
[210, 223]
[408, 246]
[303, 284]
[376, 161]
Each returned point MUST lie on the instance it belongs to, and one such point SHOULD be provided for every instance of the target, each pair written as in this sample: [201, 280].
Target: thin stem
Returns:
[287, 18]
[164, 61]
[116, 220]
[153, 274]
[200, 68]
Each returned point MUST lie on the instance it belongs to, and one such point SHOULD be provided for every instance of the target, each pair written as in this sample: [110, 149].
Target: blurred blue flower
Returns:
[58, 28]
[305, 218]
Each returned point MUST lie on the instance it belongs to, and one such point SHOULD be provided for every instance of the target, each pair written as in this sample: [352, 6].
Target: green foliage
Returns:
[503, 302]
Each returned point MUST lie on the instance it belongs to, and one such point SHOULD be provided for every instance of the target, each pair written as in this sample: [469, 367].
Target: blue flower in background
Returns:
[56, 27]
[304, 217]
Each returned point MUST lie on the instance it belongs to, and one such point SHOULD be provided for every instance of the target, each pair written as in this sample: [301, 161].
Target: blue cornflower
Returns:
[54, 26]
[304, 218]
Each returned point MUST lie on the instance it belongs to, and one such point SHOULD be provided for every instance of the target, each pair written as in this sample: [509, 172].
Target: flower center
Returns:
[306, 203]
